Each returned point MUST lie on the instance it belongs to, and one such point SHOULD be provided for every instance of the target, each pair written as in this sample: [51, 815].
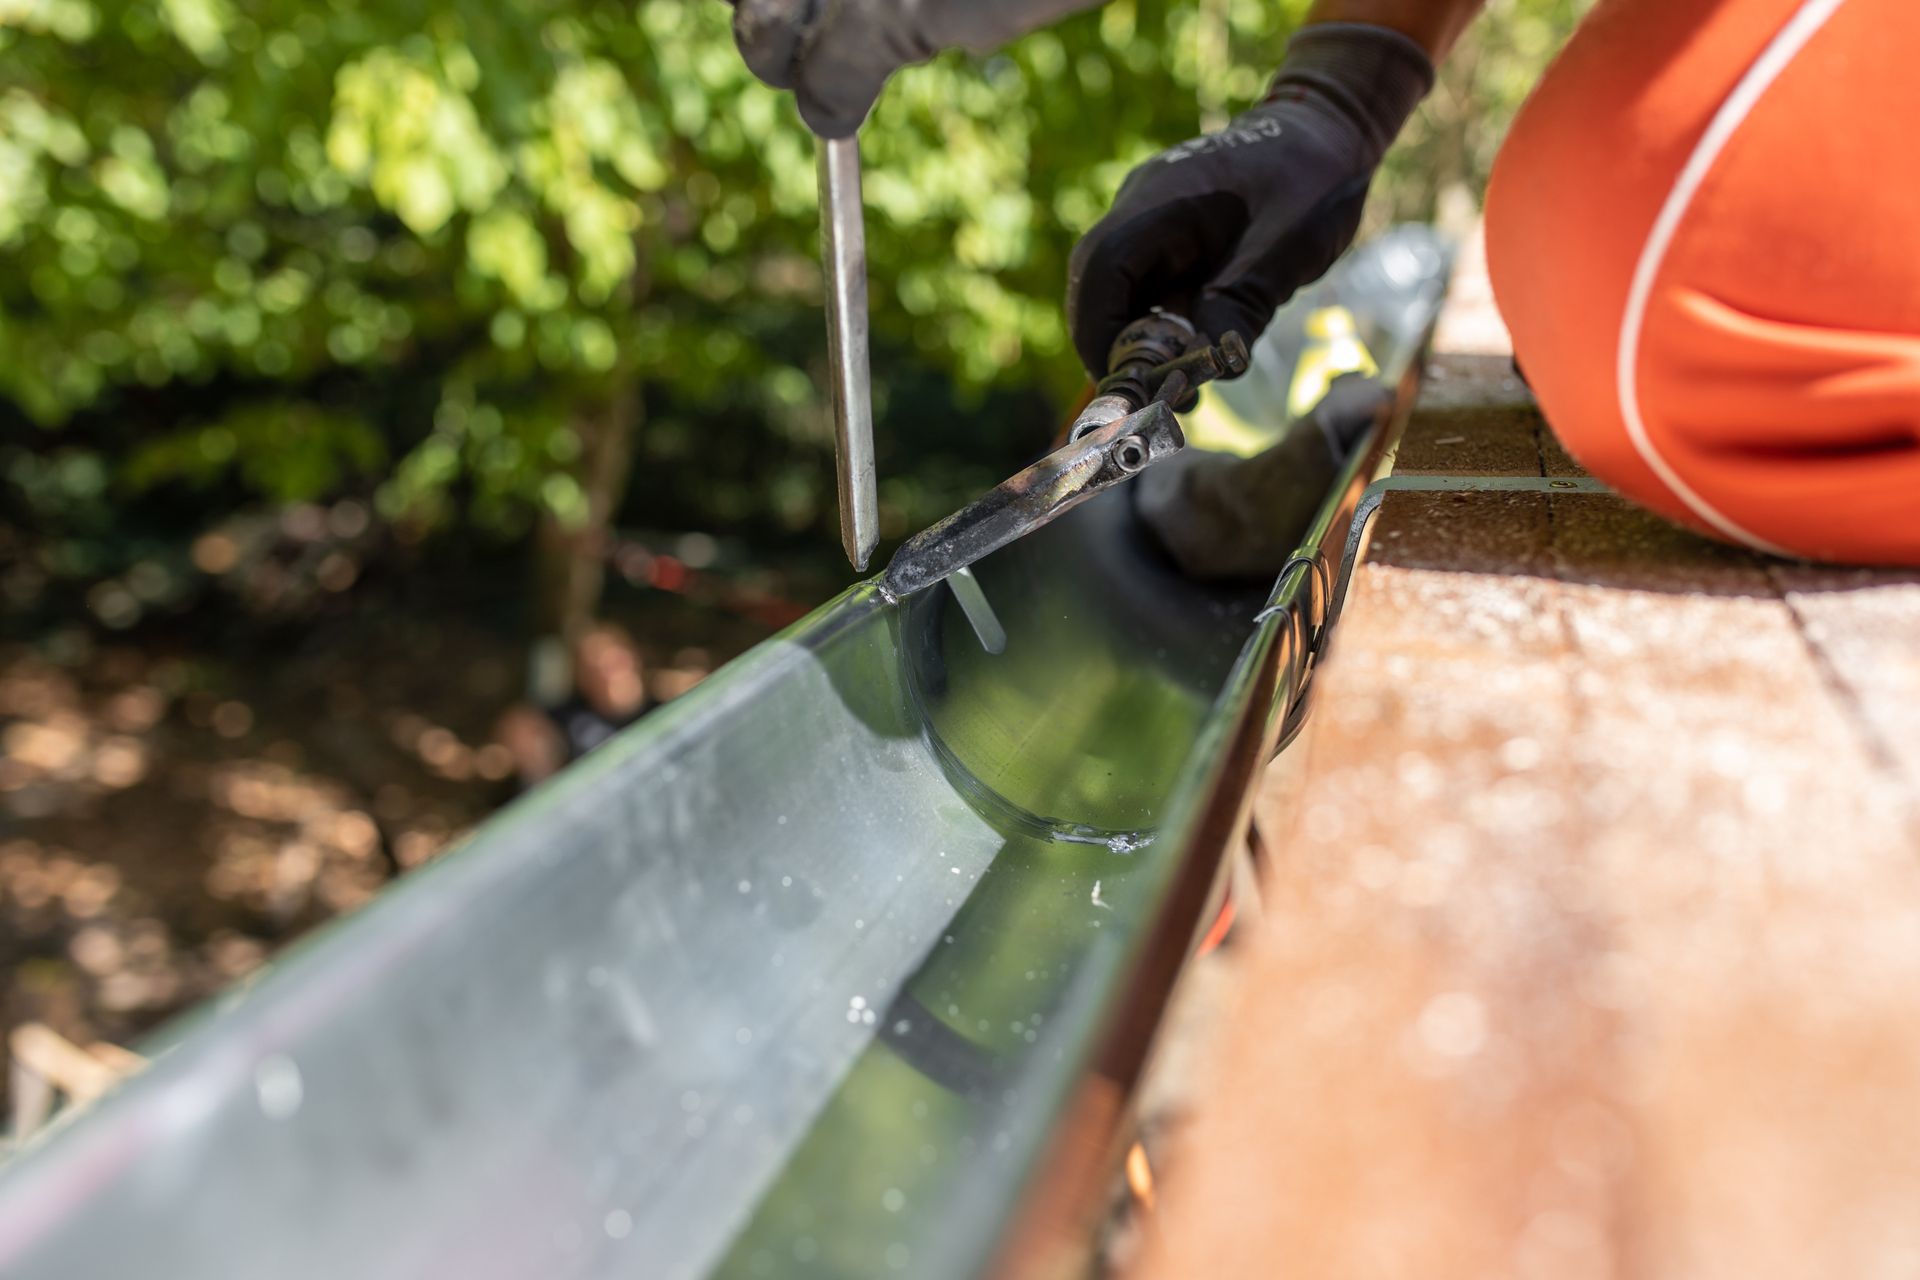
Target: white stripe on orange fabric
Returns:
[1760, 77]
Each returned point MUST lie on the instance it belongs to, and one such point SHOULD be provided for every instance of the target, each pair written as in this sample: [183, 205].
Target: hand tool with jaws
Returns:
[1156, 367]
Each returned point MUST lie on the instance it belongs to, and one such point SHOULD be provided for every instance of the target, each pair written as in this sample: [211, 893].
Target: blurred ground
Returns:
[179, 801]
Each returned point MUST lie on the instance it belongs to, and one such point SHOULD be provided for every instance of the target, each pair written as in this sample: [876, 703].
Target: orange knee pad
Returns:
[1704, 233]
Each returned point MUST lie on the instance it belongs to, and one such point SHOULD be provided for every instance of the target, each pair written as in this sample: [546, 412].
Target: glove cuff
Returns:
[1374, 76]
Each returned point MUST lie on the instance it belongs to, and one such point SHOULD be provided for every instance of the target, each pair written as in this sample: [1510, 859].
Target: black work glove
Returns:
[837, 54]
[1224, 228]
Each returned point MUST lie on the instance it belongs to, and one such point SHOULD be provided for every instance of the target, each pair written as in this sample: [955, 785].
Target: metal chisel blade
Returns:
[843, 252]
[1037, 496]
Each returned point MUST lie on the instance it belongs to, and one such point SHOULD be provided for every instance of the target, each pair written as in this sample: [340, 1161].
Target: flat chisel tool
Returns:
[843, 254]
[1157, 365]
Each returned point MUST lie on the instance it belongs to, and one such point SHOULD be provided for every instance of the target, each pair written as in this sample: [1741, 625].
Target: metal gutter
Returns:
[843, 964]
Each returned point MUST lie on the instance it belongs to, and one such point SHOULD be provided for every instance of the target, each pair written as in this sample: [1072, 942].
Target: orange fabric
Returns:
[1218, 931]
[1777, 375]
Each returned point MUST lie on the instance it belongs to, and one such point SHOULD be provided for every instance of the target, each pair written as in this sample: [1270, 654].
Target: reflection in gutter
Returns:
[923, 659]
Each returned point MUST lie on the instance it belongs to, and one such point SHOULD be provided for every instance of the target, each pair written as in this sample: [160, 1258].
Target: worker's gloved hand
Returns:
[837, 54]
[1227, 226]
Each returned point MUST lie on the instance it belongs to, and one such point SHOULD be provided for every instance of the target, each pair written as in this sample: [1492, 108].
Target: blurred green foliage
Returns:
[1449, 146]
[285, 248]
